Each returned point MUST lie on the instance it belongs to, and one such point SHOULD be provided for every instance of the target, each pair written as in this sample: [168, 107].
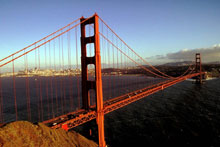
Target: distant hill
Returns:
[183, 63]
[216, 62]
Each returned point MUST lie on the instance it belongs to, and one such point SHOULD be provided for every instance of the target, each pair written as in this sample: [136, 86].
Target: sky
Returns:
[155, 29]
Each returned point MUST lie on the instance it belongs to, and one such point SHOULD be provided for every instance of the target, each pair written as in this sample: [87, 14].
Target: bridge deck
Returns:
[73, 119]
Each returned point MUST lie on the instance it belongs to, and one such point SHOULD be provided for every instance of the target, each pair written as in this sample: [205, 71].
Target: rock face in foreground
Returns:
[26, 134]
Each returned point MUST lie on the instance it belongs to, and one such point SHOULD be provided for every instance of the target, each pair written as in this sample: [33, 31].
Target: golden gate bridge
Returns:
[79, 73]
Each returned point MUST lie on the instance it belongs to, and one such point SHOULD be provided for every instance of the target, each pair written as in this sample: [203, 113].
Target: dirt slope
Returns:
[26, 134]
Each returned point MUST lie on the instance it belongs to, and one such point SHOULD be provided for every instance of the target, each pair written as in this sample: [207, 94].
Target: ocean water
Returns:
[53, 96]
[185, 114]
[182, 115]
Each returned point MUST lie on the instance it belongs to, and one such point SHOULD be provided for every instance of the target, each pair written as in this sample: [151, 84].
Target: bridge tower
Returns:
[92, 85]
[198, 68]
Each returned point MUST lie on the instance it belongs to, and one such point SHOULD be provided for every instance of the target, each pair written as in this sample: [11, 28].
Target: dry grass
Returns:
[26, 134]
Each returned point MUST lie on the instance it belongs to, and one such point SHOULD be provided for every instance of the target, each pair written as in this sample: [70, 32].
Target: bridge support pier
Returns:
[97, 84]
[198, 68]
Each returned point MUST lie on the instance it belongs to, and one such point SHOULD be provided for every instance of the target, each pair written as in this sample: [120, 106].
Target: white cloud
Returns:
[185, 50]
[216, 45]
[209, 54]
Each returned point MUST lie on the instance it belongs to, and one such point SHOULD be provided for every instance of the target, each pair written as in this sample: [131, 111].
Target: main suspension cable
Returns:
[170, 77]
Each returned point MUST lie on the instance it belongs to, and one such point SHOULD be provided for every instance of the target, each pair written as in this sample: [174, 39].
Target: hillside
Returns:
[26, 134]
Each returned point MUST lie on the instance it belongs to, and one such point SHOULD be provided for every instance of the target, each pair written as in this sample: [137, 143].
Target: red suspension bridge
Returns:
[79, 73]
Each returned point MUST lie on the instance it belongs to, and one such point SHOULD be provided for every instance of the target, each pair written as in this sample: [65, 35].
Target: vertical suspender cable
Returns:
[47, 91]
[55, 78]
[77, 67]
[40, 87]
[14, 90]
[61, 80]
[1, 100]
